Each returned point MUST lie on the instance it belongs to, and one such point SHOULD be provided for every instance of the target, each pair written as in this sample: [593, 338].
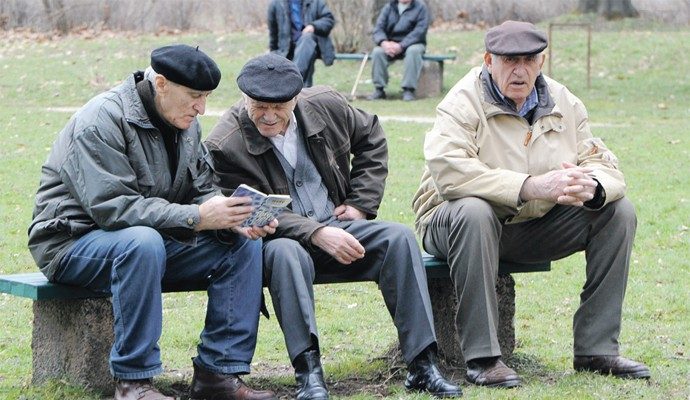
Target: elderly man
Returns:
[126, 205]
[513, 173]
[400, 33]
[331, 158]
[299, 30]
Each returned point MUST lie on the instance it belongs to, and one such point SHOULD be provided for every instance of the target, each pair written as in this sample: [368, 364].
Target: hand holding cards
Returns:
[266, 206]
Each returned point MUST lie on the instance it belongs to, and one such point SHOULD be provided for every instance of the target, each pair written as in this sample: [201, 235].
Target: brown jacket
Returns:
[347, 146]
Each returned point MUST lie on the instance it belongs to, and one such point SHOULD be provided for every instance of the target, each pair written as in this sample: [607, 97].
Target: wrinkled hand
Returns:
[571, 185]
[255, 232]
[345, 212]
[221, 212]
[338, 244]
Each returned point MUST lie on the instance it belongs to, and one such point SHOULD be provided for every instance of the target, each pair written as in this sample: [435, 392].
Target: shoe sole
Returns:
[509, 384]
[437, 395]
[644, 374]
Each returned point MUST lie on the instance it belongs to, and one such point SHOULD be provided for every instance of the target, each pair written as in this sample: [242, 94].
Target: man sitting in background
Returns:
[400, 32]
[299, 30]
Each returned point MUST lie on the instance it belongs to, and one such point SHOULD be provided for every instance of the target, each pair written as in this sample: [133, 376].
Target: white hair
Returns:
[150, 75]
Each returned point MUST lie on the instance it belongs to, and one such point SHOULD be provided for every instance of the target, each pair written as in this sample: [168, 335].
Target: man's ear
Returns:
[160, 83]
[488, 60]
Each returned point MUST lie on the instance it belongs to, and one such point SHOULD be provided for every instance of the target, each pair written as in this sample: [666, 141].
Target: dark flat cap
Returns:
[514, 38]
[270, 78]
[187, 66]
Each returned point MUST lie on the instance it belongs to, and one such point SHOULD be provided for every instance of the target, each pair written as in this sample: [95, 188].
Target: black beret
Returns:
[514, 38]
[187, 66]
[270, 78]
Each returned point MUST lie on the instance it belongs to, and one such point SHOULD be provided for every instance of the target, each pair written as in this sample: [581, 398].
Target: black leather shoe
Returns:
[491, 372]
[617, 366]
[424, 376]
[212, 386]
[379, 94]
[309, 376]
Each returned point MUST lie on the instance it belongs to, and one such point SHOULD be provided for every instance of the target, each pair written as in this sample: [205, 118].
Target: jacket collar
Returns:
[132, 106]
[310, 124]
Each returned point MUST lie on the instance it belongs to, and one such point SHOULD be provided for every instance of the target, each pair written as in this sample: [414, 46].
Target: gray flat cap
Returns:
[187, 66]
[514, 38]
[270, 78]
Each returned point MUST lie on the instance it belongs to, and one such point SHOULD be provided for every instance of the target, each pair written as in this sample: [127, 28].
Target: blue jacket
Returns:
[314, 12]
[407, 28]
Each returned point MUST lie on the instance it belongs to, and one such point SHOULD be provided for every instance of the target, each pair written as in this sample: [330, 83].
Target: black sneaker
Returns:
[408, 95]
[378, 94]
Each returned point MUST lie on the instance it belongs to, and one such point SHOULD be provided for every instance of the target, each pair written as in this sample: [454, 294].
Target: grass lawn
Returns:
[639, 103]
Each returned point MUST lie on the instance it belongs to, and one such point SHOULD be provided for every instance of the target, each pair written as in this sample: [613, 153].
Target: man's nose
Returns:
[200, 105]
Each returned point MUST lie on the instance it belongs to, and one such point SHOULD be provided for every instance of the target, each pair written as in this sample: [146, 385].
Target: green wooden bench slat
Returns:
[426, 57]
[437, 268]
[34, 285]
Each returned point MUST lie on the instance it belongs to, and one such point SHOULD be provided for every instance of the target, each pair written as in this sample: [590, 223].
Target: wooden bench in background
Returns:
[73, 327]
[430, 81]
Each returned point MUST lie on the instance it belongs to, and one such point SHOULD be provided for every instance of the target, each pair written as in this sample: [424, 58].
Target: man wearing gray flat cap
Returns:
[126, 206]
[513, 173]
[331, 158]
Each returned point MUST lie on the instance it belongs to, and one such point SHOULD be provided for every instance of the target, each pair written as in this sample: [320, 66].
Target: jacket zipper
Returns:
[528, 137]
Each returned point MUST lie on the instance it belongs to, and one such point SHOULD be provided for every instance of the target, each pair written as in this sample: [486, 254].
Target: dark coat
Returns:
[315, 12]
[347, 146]
[108, 169]
[407, 28]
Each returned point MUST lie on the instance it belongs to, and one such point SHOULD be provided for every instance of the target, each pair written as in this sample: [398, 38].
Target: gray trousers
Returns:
[467, 233]
[392, 260]
[412, 67]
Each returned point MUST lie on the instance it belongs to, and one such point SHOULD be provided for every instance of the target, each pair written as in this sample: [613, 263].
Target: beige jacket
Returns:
[477, 148]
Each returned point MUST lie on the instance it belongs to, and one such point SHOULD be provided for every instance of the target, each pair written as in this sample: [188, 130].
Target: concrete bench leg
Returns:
[71, 341]
[430, 82]
[444, 305]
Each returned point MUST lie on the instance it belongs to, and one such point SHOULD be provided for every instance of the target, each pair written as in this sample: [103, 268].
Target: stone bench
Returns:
[72, 326]
[444, 305]
[430, 82]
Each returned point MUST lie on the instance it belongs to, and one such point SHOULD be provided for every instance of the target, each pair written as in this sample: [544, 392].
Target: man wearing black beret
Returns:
[514, 173]
[331, 158]
[126, 205]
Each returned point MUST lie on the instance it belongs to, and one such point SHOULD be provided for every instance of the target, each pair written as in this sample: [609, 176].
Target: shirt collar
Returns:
[529, 104]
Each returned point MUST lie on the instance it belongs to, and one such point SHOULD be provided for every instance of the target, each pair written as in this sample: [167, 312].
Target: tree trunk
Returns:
[609, 9]
[376, 10]
[57, 15]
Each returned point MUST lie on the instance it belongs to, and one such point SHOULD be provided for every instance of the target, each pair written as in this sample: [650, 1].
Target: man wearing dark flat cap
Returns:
[513, 173]
[331, 158]
[126, 206]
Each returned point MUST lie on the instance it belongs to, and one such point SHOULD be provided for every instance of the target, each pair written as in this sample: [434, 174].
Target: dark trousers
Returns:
[304, 54]
[392, 260]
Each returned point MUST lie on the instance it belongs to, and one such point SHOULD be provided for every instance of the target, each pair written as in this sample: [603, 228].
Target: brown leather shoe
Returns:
[211, 386]
[617, 366]
[491, 372]
[138, 390]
